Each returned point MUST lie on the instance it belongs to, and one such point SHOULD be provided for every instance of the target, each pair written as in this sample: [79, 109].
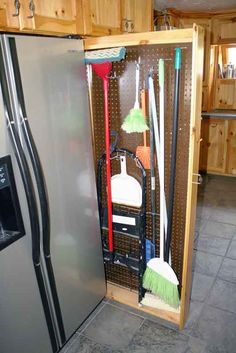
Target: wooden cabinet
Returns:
[224, 29]
[225, 94]
[40, 16]
[98, 17]
[136, 15]
[218, 146]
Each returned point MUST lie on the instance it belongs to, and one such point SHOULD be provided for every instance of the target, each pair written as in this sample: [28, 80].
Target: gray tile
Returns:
[204, 212]
[212, 245]
[222, 215]
[232, 250]
[215, 349]
[217, 229]
[217, 329]
[83, 344]
[194, 313]
[199, 224]
[154, 338]
[201, 286]
[223, 295]
[207, 264]
[228, 270]
[92, 316]
[113, 327]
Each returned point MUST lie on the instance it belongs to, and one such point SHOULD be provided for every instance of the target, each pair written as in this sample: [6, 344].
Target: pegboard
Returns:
[121, 100]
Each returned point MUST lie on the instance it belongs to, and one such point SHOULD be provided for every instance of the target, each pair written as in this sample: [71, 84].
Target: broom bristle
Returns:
[160, 286]
[143, 153]
[134, 122]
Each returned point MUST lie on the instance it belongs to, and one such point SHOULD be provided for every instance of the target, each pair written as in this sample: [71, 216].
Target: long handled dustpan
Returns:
[125, 189]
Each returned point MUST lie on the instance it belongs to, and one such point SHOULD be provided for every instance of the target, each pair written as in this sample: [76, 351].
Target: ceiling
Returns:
[195, 5]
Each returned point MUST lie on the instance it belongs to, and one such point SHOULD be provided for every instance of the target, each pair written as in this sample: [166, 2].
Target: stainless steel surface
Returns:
[57, 108]
[22, 322]
[220, 114]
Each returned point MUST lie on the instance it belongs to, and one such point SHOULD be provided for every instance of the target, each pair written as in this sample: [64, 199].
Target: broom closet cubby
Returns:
[122, 284]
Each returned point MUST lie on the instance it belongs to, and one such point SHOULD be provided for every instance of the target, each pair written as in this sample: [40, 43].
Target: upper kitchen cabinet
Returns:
[57, 16]
[136, 15]
[41, 16]
[224, 28]
[98, 17]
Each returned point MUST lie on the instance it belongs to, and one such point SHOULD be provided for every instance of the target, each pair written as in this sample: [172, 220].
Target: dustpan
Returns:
[125, 189]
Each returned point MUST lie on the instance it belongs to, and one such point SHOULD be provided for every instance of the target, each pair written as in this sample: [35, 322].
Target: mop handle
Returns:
[144, 110]
[162, 153]
[178, 54]
[153, 178]
[108, 165]
[156, 135]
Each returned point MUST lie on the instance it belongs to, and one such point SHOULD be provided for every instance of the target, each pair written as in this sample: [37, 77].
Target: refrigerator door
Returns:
[22, 321]
[54, 84]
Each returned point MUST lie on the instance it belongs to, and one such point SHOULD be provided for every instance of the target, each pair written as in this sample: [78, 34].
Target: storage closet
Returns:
[122, 282]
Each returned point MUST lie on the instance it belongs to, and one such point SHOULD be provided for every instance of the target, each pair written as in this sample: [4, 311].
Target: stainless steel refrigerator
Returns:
[51, 265]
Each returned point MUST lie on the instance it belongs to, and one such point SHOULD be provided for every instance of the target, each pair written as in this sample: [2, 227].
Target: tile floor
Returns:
[211, 327]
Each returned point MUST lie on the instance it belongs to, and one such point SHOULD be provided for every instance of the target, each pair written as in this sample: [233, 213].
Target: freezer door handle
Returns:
[28, 187]
[41, 187]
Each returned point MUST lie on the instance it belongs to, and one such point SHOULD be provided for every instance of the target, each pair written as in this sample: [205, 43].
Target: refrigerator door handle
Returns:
[29, 192]
[41, 186]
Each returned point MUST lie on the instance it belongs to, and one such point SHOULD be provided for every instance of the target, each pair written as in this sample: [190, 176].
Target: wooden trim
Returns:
[127, 297]
[160, 37]
[194, 148]
[50, 24]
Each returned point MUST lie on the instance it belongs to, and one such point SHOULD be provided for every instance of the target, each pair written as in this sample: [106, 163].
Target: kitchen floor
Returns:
[115, 328]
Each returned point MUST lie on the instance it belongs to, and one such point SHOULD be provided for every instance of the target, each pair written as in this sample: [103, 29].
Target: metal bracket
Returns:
[199, 177]
[31, 8]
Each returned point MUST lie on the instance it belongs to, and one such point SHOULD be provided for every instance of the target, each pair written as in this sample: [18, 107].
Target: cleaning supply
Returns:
[159, 277]
[150, 244]
[178, 58]
[135, 120]
[125, 189]
[143, 152]
[101, 61]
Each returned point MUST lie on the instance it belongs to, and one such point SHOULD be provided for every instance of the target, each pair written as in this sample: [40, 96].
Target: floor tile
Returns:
[207, 264]
[222, 215]
[232, 250]
[228, 270]
[219, 229]
[223, 295]
[212, 245]
[83, 344]
[204, 212]
[194, 313]
[154, 338]
[92, 316]
[113, 327]
[217, 328]
[201, 286]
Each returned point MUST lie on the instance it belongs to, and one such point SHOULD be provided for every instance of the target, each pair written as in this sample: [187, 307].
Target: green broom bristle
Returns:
[160, 286]
[135, 122]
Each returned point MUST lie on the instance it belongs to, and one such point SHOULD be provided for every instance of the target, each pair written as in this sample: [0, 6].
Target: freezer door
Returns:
[55, 92]
[22, 321]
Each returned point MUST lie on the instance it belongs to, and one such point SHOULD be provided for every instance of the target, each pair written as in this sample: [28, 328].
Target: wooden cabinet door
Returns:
[9, 15]
[214, 145]
[224, 29]
[231, 149]
[98, 17]
[137, 15]
[225, 94]
[56, 16]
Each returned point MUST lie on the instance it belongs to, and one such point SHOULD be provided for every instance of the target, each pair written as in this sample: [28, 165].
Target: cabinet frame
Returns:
[195, 36]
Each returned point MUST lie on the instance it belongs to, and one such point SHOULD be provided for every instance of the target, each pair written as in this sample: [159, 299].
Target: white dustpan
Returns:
[125, 189]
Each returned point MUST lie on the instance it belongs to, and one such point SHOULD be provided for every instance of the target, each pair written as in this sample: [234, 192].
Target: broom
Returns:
[159, 277]
[143, 152]
[135, 121]
[101, 61]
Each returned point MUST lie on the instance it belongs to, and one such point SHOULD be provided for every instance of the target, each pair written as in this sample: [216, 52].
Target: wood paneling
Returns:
[225, 94]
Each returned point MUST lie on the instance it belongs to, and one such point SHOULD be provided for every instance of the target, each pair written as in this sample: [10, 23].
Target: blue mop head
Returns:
[105, 55]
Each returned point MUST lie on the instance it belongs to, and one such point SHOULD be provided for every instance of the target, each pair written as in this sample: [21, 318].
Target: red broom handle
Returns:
[108, 165]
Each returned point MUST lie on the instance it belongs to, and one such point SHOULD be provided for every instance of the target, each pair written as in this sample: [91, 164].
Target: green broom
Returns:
[159, 277]
[135, 121]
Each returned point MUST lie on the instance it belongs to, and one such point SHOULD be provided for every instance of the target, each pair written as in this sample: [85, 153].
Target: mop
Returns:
[101, 61]
[159, 277]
